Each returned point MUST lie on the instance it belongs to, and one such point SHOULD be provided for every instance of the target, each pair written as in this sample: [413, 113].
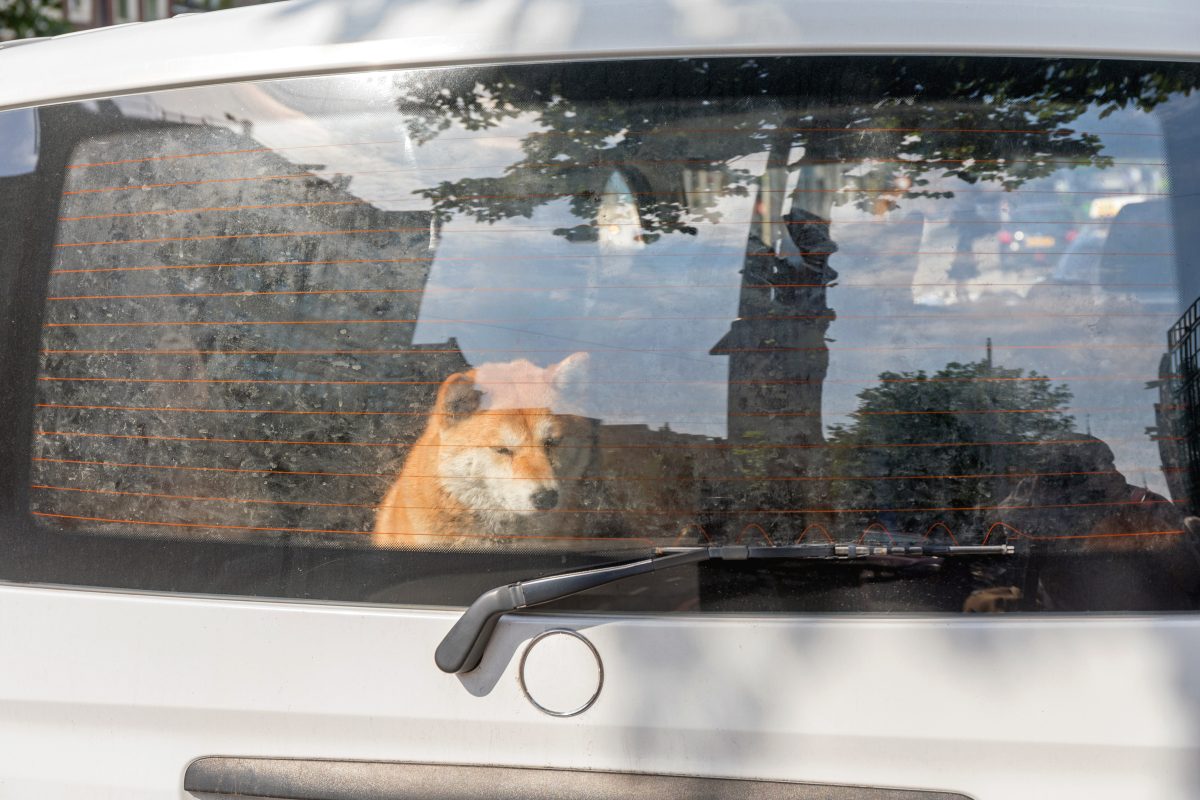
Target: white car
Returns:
[596, 399]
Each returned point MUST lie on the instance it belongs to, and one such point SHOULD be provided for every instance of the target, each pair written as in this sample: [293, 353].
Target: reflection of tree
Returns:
[962, 403]
[20, 19]
[974, 119]
[798, 135]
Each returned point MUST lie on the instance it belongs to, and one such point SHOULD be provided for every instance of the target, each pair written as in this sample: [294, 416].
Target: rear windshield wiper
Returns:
[463, 647]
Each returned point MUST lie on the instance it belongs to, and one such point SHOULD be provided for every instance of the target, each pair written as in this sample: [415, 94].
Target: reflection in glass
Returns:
[612, 306]
[618, 222]
[18, 131]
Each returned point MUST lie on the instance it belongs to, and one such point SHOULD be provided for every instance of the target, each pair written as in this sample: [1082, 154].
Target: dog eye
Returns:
[504, 451]
[551, 442]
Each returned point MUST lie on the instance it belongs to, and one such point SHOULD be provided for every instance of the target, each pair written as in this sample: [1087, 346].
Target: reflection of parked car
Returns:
[1139, 254]
[1031, 233]
[1080, 262]
[1132, 255]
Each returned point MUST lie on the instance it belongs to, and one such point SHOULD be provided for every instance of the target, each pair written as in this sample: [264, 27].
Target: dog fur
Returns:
[499, 462]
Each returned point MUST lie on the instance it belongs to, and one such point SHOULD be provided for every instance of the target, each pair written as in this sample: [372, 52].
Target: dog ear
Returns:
[458, 398]
[568, 372]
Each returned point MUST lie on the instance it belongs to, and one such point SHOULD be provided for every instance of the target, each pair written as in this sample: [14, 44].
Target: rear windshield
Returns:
[439, 327]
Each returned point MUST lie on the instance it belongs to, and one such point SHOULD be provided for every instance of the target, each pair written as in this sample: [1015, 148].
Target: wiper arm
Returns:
[462, 648]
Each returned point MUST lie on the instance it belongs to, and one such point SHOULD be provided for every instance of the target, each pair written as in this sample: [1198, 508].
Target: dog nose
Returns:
[545, 500]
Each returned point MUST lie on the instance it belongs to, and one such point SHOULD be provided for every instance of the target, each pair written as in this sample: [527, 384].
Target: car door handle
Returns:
[298, 779]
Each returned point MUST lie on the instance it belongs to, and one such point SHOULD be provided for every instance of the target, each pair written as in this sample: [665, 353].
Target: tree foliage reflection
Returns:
[904, 125]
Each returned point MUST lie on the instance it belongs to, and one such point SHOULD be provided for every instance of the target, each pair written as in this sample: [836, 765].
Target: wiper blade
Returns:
[462, 648]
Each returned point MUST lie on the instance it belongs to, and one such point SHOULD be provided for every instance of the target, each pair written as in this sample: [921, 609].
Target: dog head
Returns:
[505, 446]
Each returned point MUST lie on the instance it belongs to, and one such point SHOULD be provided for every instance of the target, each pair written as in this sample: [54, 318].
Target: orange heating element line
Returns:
[638, 133]
[705, 446]
[668, 512]
[626, 478]
[649, 542]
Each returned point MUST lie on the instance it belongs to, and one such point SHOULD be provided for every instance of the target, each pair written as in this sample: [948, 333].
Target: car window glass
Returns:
[593, 309]
[18, 131]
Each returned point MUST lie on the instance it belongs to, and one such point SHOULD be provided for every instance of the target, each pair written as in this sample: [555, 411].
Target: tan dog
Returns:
[498, 463]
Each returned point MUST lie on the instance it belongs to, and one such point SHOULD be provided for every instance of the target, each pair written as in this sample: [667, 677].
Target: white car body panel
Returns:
[307, 37]
[126, 690]
[112, 695]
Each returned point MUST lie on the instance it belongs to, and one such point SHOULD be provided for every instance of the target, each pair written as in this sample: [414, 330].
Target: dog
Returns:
[500, 462]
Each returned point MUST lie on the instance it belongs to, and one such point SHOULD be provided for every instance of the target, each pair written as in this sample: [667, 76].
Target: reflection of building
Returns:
[1177, 430]
[82, 14]
[656, 481]
[96, 13]
[237, 319]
